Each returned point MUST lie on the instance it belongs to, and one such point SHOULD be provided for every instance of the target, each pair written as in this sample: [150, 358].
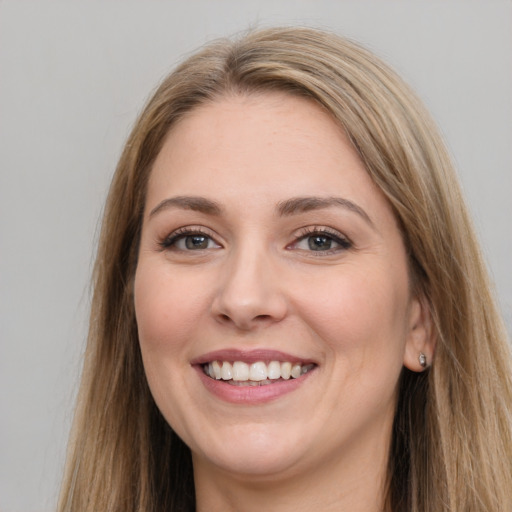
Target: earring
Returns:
[423, 360]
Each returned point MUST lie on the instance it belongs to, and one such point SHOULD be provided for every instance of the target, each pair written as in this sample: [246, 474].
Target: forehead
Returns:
[270, 146]
[271, 121]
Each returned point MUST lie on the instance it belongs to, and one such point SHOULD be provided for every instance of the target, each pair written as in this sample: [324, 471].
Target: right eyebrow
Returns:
[198, 204]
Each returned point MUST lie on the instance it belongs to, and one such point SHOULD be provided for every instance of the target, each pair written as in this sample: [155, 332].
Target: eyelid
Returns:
[327, 230]
[344, 242]
[170, 240]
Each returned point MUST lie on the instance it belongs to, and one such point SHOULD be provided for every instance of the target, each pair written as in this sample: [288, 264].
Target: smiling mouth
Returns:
[239, 373]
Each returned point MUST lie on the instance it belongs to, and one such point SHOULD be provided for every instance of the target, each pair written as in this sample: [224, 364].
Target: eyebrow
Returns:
[198, 204]
[293, 206]
[298, 205]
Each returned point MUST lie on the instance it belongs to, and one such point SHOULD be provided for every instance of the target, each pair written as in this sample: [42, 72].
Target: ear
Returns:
[420, 336]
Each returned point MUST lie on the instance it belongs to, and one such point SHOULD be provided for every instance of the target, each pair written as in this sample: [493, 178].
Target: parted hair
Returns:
[451, 447]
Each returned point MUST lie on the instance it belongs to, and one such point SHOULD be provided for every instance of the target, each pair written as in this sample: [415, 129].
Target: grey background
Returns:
[74, 75]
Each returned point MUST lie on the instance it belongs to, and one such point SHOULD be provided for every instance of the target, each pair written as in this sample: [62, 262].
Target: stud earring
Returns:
[423, 360]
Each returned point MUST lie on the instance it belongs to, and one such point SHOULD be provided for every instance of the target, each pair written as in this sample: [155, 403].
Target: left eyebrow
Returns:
[298, 205]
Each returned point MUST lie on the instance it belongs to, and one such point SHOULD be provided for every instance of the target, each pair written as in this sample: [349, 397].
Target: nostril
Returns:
[248, 308]
[262, 317]
[246, 323]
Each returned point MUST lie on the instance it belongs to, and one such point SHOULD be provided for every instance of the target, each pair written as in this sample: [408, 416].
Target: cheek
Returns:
[357, 310]
[167, 318]
[165, 308]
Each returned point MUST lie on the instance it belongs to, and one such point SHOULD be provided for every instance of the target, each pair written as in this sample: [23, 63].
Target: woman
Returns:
[290, 307]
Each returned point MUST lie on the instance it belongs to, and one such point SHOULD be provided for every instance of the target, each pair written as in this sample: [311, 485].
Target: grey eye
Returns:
[320, 242]
[189, 240]
[194, 242]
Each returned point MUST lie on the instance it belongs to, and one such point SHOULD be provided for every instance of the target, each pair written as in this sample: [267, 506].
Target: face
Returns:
[267, 250]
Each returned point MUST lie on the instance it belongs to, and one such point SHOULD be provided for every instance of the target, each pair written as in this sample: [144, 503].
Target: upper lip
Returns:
[249, 356]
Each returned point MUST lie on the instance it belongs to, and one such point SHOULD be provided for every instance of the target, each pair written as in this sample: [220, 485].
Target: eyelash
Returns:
[180, 233]
[343, 242]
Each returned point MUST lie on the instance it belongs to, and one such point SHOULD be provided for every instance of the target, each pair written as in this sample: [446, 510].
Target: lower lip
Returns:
[250, 395]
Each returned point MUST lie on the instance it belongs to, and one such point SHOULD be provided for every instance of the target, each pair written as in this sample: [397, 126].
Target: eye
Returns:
[186, 239]
[194, 242]
[321, 240]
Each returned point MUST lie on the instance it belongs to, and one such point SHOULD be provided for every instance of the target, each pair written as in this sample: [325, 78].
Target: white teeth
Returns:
[274, 370]
[256, 373]
[217, 373]
[226, 372]
[296, 370]
[286, 370]
[240, 371]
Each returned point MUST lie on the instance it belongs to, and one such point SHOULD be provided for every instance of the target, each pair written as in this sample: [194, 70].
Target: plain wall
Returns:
[74, 75]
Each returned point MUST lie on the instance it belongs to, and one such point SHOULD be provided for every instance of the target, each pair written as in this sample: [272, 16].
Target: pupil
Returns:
[196, 242]
[319, 243]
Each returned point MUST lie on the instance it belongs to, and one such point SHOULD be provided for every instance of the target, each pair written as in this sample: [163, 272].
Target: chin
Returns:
[253, 452]
[254, 466]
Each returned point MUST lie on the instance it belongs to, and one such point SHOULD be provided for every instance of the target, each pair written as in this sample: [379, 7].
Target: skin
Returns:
[259, 285]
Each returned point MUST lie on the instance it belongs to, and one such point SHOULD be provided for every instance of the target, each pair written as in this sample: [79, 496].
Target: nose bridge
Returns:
[249, 292]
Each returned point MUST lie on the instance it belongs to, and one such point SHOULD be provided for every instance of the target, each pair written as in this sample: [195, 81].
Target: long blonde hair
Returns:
[452, 442]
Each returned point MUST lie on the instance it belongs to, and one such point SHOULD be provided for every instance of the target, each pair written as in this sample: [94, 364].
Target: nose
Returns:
[249, 294]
